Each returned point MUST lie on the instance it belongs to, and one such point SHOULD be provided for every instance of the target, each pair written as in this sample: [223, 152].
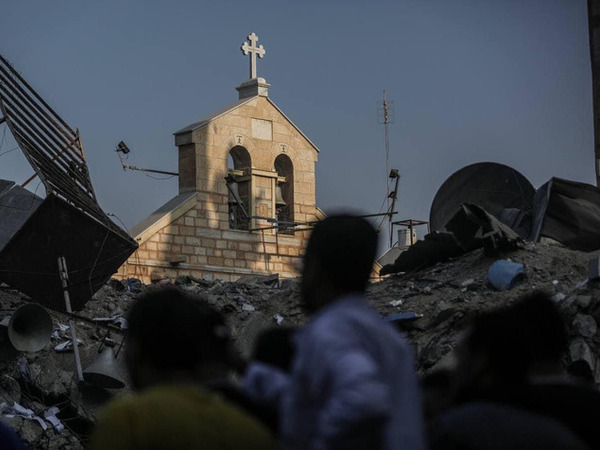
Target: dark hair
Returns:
[275, 346]
[174, 331]
[345, 246]
[517, 336]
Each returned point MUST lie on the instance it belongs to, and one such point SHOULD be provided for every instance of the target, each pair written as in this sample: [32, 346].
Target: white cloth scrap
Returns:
[66, 346]
[20, 411]
[50, 416]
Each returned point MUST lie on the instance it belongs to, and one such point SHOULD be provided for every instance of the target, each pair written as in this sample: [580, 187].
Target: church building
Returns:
[246, 194]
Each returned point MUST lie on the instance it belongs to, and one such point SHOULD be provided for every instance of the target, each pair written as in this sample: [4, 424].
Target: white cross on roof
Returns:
[253, 50]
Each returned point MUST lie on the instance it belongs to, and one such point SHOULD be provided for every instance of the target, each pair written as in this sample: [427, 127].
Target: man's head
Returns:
[508, 346]
[338, 259]
[171, 335]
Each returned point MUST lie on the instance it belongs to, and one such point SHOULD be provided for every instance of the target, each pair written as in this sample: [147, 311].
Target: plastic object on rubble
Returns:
[503, 274]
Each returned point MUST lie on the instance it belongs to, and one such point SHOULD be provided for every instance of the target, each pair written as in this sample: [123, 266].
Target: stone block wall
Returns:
[188, 246]
[200, 241]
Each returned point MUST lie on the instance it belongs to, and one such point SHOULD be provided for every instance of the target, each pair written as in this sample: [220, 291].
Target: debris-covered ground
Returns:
[40, 395]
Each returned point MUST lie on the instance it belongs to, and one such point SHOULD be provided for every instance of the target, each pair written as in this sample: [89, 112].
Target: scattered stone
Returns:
[584, 301]
[579, 350]
[248, 334]
[584, 325]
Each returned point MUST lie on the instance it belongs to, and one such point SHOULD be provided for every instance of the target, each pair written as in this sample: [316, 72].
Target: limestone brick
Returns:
[216, 261]
[200, 223]
[270, 248]
[166, 238]
[208, 232]
[208, 243]
[192, 240]
[199, 251]
[187, 231]
[229, 253]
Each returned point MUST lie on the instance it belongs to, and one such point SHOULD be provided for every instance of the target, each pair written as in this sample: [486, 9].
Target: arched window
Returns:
[284, 193]
[238, 158]
[238, 184]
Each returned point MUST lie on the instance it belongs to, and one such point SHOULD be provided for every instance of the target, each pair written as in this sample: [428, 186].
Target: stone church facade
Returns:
[246, 195]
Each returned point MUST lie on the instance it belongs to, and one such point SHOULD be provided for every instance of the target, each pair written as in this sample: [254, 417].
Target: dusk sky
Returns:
[507, 81]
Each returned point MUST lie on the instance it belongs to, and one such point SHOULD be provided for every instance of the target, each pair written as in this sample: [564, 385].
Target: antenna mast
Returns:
[386, 117]
[386, 122]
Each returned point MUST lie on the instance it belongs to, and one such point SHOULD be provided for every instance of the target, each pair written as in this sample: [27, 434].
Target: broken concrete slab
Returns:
[579, 350]
[584, 325]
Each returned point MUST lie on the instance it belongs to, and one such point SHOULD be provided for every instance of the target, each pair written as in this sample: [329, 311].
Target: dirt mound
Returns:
[446, 296]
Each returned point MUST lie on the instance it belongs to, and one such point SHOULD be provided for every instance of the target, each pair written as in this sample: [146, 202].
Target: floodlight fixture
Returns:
[394, 174]
[122, 148]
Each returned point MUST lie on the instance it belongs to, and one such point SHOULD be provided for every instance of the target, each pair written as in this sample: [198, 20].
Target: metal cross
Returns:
[253, 50]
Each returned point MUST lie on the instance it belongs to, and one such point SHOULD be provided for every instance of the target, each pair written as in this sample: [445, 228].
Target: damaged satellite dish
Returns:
[492, 186]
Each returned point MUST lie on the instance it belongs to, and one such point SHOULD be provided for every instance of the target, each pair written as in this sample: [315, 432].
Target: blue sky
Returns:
[507, 81]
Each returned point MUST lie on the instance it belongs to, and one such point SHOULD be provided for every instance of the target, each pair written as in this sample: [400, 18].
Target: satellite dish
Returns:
[492, 186]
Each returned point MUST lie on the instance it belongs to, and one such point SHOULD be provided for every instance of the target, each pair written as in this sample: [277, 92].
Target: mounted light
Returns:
[122, 148]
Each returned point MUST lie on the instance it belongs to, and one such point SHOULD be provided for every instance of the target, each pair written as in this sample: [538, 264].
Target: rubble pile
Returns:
[41, 398]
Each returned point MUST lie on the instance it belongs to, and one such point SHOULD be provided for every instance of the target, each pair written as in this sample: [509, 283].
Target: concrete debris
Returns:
[594, 272]
[579, 350]
[116, 318]
[432, 306]
[66, 346]
[50, 416]
[16, 410]
[584, 325]
[278, 319]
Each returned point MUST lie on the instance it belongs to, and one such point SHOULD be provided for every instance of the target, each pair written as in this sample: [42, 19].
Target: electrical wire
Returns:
[96, 262]
[8, 151]
[120, 221]
[160, 179]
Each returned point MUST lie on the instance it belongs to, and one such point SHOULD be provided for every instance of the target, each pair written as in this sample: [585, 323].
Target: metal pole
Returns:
[392, 210]
[64, 278]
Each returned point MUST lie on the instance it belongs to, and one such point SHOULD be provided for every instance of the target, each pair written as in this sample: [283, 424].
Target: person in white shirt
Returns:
[353, 383]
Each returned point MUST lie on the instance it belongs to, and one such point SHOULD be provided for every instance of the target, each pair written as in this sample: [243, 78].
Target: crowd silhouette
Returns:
[347, 379]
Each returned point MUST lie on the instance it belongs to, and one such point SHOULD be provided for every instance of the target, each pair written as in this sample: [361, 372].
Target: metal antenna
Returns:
[385, 115]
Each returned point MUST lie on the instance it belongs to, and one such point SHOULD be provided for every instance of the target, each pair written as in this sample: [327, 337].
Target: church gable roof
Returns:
[203, 122]
[207, 120]
[163, 216]
[293, 124]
